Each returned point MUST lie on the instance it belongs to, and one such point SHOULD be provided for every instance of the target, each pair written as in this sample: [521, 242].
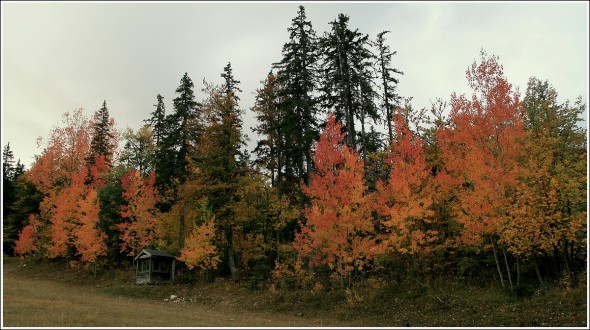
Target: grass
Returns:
[46, 294]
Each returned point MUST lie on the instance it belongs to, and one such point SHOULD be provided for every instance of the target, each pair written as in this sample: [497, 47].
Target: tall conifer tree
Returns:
[297, 76]
[347, 75]
[182, 129]
[389, 82]
[104, 137]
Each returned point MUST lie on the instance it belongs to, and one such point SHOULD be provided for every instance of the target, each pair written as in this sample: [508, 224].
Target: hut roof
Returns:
[152, 253]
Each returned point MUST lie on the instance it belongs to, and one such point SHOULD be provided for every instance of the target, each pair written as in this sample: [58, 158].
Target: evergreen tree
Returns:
[367, 108]
[104, 137]
[24, 201]
[157, 121]
[181, 131]
[298, 80]
[230, 83]
[7, 161]
[269, 149]
[389, 97]
[220, 169]
[13, 189]
[10, 174]
[7, 179]
[348, 89]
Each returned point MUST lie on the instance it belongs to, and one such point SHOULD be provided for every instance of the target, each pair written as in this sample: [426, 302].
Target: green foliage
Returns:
[110, 200]
[19, 199]
[180, 132]
[104, 137]
[347, 76]
[389, 82]
[297, 104]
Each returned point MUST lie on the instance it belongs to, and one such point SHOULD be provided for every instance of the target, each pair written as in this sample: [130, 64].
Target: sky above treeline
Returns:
[58, 57]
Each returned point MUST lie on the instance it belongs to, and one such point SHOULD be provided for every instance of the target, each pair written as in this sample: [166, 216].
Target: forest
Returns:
[347, 182]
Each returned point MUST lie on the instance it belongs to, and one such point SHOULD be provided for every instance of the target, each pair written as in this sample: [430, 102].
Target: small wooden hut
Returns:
[152, 266]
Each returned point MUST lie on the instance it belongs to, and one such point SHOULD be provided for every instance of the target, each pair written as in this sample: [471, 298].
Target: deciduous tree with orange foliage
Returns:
[64, 217]
[481, 151]
[142, 225]
[89, 240]
[74, 224]
[70, 207]
[339, 230]
[404, 199]
[28, 239]
[64, 155]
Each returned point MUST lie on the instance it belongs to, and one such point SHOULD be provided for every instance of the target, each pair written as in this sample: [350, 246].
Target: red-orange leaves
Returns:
[28, 238]
[89, 240]
[64, 155]
[64, 217]
[481, 150]
[404, 200]
[339, 230]
[74, 222]
[142, 225]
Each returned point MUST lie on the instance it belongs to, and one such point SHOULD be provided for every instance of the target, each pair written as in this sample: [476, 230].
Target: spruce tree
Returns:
[104, 137]
[269, 149]
[389, 97]
[230, 83]
[347, 77]
[220, 161]
[180, 134]
[19, 199]
[157, 121]
[8, 178]
[297, 78]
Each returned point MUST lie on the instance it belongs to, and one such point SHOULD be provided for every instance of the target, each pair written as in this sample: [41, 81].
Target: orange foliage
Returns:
[28, 238]
[405, 198]
[142, 225]
[481, 150]
[339, 230]
[63, 156]
[89, 240]
[64, 217]
[74, 222]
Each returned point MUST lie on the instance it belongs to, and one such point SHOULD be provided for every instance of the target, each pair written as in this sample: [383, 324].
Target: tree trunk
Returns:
[517, 271]
[508, 269]
[494, 248]
[308, 167]
[181, 230]
[566, 257]
[538, 272]
[363, 138]
[385, 94]
[230, 253]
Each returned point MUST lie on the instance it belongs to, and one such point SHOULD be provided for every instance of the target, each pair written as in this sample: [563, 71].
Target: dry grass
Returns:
[73, 298]
[49, 295]
[42, 303]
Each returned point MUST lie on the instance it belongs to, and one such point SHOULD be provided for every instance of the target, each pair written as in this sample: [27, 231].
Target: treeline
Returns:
[487, 187]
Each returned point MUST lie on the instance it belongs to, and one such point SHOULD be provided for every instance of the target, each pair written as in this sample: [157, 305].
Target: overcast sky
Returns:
[57, 57]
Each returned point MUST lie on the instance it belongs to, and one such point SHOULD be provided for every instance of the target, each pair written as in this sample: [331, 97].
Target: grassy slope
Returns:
[74, 298]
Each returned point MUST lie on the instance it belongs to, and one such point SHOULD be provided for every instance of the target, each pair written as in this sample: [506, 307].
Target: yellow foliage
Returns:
[199, 250]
